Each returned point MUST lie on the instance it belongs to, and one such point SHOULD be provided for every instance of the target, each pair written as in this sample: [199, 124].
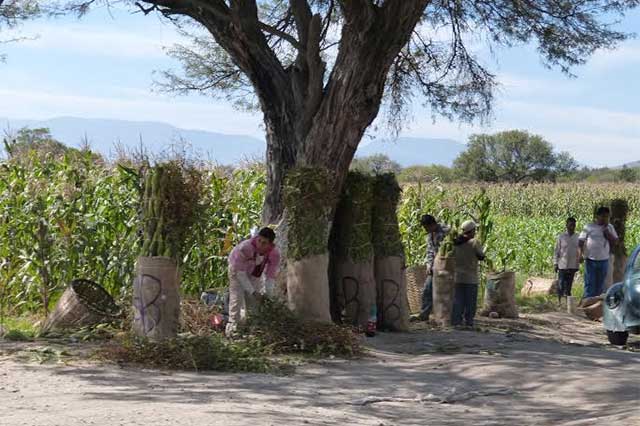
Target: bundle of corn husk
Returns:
[308, 199]
[170, 206]
[352, 252]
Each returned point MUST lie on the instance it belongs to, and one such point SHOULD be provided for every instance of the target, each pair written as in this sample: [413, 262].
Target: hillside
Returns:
[104, 134]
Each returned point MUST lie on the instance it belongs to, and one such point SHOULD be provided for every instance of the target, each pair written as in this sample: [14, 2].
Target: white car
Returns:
[622, 304]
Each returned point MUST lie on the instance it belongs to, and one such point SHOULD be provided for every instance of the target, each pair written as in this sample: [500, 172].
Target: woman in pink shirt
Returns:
[253, 268]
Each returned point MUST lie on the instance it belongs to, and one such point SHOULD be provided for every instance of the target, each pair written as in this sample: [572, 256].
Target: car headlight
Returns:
[613, 299]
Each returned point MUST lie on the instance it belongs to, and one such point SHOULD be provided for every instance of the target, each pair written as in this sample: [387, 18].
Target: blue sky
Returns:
[102, 67]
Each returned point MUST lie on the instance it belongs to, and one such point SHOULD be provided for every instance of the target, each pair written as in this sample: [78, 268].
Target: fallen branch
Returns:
[450, 398]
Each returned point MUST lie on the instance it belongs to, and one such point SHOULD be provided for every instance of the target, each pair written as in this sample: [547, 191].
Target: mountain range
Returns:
[103, 135]
[634, 165]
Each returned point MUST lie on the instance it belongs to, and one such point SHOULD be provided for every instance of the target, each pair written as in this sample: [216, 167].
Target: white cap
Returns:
[468, 226]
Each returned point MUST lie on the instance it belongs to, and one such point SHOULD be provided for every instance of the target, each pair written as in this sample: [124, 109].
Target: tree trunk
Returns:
[281, 157]
[350, 103]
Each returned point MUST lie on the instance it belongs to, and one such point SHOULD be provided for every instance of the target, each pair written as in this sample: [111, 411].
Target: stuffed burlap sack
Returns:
[308, 287]
[156, 300]
[443, 289]
[393, 306]
[356, 291]
[500, 295]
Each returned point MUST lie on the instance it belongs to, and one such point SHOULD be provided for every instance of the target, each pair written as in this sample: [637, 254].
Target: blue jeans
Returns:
[594, 277]
[427, 298]
[565, 281]
[465, 304]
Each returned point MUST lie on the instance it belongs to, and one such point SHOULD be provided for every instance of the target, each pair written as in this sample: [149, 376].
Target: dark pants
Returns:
[565, 281]
[427, 298]
[594, 277]
[465, 304]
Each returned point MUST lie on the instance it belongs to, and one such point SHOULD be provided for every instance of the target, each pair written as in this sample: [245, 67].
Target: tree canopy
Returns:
[512, 156]
[375, 164]
[320, 70]
[299, 43]
[41, 143]
[628, 174]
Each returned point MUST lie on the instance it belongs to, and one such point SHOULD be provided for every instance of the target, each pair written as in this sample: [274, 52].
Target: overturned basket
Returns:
[83, 303]
[415, 276]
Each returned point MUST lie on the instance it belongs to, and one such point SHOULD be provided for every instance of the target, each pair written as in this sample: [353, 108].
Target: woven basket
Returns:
[416, 276]
[83, 303]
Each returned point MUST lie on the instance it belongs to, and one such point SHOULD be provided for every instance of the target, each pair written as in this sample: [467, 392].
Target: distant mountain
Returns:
[156, 137]
[635, 164]
[414, 151]
[224, 148]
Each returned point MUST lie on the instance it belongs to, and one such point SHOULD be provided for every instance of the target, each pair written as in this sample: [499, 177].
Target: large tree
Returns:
[375, 164]
[512, 156]
[321, 69]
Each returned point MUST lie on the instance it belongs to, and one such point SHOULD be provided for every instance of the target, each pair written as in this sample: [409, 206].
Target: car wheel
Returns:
[618, 338]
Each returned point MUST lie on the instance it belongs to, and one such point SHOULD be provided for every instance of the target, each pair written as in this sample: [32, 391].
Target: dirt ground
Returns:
[545, 369]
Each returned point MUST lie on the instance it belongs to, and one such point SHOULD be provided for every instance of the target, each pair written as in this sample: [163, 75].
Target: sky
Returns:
[103, 67]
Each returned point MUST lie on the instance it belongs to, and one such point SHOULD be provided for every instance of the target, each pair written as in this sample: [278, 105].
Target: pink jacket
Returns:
[244, 257]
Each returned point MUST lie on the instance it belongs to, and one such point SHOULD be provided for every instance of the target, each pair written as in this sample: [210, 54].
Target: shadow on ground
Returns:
[523, 373]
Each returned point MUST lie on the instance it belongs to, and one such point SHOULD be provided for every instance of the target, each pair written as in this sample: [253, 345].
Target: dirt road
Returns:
[546, 370]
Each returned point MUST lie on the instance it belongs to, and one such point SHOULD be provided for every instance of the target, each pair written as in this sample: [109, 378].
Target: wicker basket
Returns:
[416, 276]
[83, 303]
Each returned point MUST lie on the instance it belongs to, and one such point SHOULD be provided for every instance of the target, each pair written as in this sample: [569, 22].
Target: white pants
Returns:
[238, 305]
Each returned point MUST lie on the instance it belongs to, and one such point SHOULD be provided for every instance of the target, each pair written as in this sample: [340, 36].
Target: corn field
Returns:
[79, 218]
[75, 218]
[526, 218]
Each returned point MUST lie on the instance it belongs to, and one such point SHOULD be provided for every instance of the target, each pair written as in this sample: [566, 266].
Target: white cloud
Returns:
[516, 86]
[627, 54]
[595, 121]
[88, 40]
[594, 136]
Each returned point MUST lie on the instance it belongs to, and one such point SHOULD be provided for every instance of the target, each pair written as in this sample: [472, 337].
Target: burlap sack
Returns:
[443, 289]
[500, 295]
[308, 287]
[393, 306]
[356, 291]
[156, 299]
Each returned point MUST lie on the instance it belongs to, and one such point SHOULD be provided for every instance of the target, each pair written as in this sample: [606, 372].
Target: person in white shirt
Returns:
[565, 258]
[596, 241]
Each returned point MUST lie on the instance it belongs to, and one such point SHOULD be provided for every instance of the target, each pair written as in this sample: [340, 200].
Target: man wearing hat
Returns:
[468, 252]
